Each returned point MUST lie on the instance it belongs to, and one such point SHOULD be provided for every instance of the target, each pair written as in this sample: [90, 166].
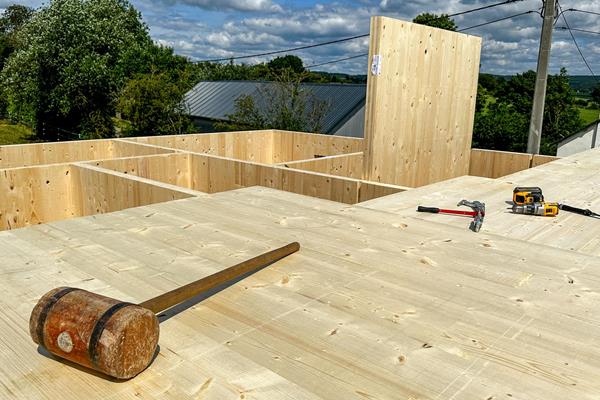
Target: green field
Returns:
[14, 134]
[588, 116]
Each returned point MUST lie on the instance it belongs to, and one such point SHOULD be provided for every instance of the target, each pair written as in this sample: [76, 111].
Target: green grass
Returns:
[14, 134]
[588, 116]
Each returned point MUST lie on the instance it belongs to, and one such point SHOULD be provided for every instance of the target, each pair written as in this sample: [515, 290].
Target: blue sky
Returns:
[205, 29]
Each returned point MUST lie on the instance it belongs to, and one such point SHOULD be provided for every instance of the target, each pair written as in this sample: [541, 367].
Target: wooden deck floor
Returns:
[376, 305]
[573, 180]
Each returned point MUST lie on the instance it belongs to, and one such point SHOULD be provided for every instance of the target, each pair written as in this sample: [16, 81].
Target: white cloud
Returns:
[205, 29]
[236, 5]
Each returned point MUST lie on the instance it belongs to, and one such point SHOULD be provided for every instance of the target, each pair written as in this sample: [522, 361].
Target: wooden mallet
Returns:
[117, 338]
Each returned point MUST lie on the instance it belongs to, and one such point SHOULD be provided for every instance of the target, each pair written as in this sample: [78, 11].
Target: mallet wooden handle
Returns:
[179, 295]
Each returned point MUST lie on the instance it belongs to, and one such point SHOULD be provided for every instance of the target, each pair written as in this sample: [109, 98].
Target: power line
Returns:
[575, 41]
[337, 61]
[497, 20]
[464, 29]
[310, 46]
[582, 11]
[483, 8]
[564, 28]
[360, 36]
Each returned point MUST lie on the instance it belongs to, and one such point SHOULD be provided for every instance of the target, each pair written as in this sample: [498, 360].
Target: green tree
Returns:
[152, 100]
[489, 82]
[11, 20]
[72, 59]
[207, 71]
[285, 104]
[501, 127]
[289, 61]
[504, 124]
[442, 21]
[152, 103]
[596, 95]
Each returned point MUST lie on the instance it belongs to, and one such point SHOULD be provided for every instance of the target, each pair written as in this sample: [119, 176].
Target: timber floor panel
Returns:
[572, 180]
[376, 305]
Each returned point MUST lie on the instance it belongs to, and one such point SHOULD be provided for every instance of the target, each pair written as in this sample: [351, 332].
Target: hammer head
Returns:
[479, 209]
[116, 338]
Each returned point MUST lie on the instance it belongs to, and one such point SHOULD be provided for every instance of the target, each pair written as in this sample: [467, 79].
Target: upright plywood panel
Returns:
[255, 146]
[421, 105]
[494, 164]
[213, 174]
[348, 165]
[538, 160]
[172, 169]
[102, 191]
[28, 155]
[36, 195]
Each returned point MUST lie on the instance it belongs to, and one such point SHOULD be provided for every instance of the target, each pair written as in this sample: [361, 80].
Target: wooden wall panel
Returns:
[36, 195]
[248, 145]
[214, 174]
[267, 146]
[540, 160]
[494, 164]
[27, 155]
[342, 190]
[104, 191]
[371, 190]
[123, 148]
[54, 153]
[420, 108]
[170, 168]
[348, 165]
[311, 145]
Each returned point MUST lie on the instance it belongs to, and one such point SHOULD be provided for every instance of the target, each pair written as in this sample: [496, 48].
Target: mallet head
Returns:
[116, 338]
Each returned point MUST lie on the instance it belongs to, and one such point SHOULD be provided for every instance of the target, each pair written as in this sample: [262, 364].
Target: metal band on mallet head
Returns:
[117, 338]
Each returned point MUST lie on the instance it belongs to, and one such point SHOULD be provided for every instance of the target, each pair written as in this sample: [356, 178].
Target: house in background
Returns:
[211, 101]
[585, 139]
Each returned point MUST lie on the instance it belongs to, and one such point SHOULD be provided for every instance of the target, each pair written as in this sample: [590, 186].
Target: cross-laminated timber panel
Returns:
[420, 105]
[27, 155]
[348, 165]
[266, 146]
[495, 164]
[212, 174]
[43, 194]
[374, 306]
[573, 180]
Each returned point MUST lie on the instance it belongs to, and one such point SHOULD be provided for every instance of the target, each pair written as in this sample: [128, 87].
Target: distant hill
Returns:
[583, 84]
[335, 77]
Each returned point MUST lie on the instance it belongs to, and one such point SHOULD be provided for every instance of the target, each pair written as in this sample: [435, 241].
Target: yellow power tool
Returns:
[543, 209]
[523, 195]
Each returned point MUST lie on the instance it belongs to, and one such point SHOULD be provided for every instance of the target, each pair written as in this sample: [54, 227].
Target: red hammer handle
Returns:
[458, 212]
[435, 210]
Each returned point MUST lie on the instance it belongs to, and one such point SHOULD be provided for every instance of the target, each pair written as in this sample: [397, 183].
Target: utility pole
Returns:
[539, 98]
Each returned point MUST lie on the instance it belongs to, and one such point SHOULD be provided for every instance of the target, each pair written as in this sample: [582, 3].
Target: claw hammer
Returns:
[478, 212]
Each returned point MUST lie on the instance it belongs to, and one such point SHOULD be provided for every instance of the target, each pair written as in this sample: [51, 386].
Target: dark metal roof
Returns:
[216, 99]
